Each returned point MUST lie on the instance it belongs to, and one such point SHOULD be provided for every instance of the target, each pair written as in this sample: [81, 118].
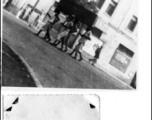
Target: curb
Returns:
[38, 83]
[31, 71]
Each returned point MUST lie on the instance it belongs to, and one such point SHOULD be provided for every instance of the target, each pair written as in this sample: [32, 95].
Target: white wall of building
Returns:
[117, 34]
[120, 12]
[42, 4]
[19, 3]
[45, 5]
[113, 40]
[133, 11]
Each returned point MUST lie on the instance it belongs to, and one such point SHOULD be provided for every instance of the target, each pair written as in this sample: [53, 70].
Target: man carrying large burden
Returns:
[48, 26]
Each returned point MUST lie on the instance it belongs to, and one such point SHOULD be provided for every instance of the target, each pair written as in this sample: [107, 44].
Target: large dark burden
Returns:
[71, 7]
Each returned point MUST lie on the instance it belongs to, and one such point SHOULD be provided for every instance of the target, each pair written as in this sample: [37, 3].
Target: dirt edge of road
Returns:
[30, 70]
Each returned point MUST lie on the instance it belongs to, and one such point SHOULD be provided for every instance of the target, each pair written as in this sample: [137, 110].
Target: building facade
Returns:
[117, 31]
[39, 6]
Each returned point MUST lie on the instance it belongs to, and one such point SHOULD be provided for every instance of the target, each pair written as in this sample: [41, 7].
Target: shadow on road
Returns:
[14, 72]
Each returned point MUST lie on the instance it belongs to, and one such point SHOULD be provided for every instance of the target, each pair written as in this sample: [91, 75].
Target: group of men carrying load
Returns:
[68, 27]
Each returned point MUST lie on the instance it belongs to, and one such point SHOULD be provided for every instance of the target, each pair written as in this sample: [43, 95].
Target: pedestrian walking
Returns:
[55, 19]
[60, 38]
[85, 36]
[48, 26]
[62, 27]
[23, 11]
[40, 21]
[62, 35]
[77, 50]
[45, 27]
[35, 22]
[97, 54]
[72, 29]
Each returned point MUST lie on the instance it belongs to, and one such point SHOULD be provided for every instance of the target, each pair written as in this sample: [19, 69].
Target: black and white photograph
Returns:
[75, 60]
[85, 44]
[51, 107]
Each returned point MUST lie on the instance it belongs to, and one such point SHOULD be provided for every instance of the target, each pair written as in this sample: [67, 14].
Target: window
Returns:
[111, 8]
[125, 51]
[100, 3]
[122, 58]
[96, 32]
[133, 23]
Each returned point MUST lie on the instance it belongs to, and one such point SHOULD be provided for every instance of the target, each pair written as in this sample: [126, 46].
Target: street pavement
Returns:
[53, 68]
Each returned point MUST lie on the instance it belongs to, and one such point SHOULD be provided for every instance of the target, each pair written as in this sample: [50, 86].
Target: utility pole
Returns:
[27, 17]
